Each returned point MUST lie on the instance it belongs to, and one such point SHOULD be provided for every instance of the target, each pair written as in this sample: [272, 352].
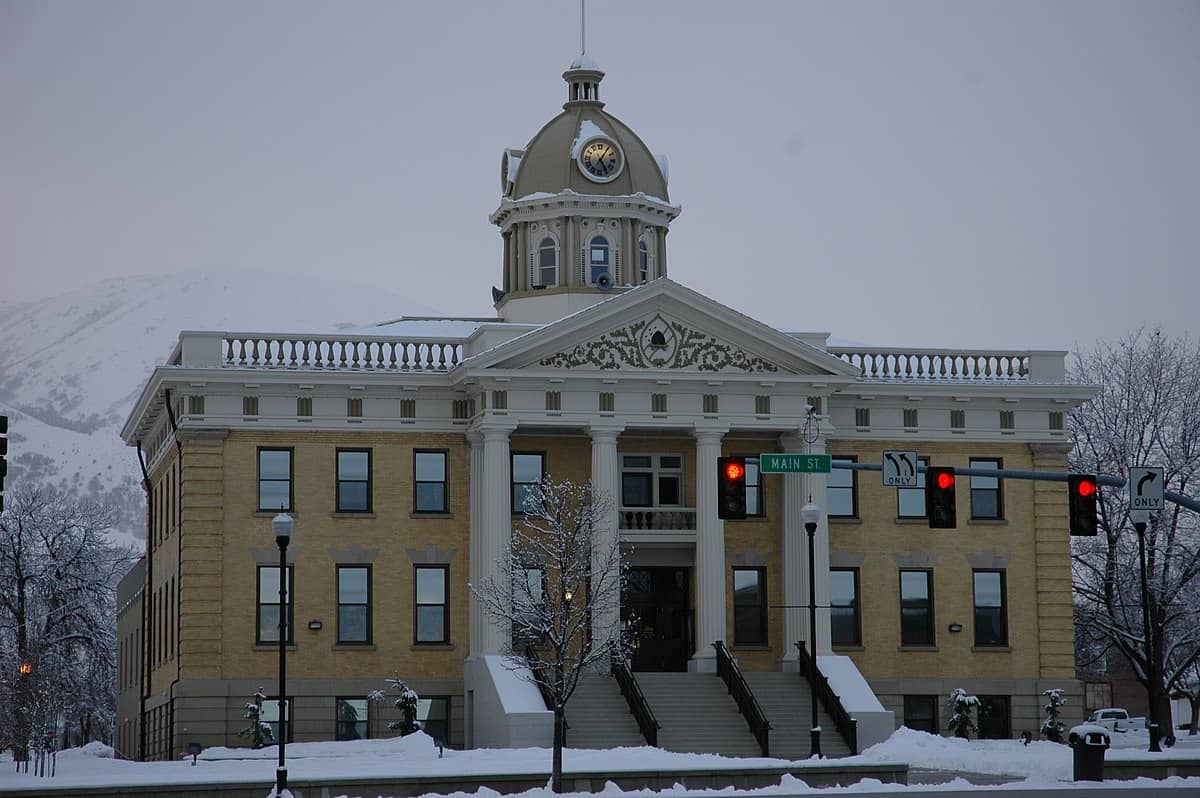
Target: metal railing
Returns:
[539, 679]
[638, 706]
[846, 725]
[747, 704]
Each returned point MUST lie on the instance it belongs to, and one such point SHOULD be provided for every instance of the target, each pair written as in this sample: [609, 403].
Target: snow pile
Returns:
[1039, 760]
[588, 130]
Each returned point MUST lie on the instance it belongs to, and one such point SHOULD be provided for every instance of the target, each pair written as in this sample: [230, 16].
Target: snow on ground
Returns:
[1041, 763]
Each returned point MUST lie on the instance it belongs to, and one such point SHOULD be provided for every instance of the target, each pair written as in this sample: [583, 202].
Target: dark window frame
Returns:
[919, 490]
[423, 722]
[1003, 642]
[757, 488]
[987, 462]
[289, 713]
[758, 636]
[337, 720]
[291, 480]
[931, 701]
[857, 608]
[445, 482]
[259, 604]
[853, 488]
[930, 624]
[370, 622]
[512, 482]
[445, 605]
[337, 490]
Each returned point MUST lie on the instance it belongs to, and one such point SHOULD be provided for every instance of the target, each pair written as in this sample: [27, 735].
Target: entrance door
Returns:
[656, 604]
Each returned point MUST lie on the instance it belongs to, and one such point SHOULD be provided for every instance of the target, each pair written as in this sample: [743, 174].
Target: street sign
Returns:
[795, 463]
[899, 469]
[1146, 488]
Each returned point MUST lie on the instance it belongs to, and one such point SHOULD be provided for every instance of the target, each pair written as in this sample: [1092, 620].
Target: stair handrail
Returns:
[638, 706]
[747, 704]
[830, 702]
[539, 680]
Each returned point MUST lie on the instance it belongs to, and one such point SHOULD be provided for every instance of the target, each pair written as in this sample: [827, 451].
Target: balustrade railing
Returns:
[651, 519]
[747, 704]
[935, 364]
[846, 725]
[334, 352]
[638, 706]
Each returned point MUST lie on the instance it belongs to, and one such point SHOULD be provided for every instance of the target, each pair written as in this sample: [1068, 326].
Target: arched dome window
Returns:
[547, 260]
[645, 262]
[598, 258]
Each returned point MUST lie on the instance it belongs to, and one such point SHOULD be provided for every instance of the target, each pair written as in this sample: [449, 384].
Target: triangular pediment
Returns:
[661, 327]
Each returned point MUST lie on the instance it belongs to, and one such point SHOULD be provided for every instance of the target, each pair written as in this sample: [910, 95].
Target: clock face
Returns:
[600, 160]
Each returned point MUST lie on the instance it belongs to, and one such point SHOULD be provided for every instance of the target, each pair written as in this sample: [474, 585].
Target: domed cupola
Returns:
[584, 209]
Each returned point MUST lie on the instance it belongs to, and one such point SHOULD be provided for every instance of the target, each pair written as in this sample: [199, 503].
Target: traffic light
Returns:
[3, 457]
[939, 497]
[731, 488]
[1082, 501]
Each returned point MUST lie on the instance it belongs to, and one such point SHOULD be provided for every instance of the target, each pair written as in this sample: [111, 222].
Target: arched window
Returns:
[597, 258]
[547, 273]
[645, 266]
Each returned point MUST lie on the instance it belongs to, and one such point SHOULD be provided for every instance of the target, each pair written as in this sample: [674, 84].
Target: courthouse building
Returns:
[403, 450]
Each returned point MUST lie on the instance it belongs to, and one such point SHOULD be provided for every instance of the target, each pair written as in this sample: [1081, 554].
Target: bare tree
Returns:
[559, 584]
[57, 616]
[1147, 412]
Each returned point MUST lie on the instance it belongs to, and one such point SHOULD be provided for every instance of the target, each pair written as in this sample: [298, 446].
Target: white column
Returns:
[605, 476]
[815, 486]
[478, 618]
[795, 552]
[710, 553]
[495, 530]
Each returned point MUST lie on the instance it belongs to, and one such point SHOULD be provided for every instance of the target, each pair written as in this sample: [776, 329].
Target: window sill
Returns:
[352, 514]
[987, 522]
[432, 647]
[991, 649]
[753, 519]
[845, 519]
[273, 513]
[848, 647]
[273, 647]
[912, 520]
[430, 515]
[918, 649]
[353, 646]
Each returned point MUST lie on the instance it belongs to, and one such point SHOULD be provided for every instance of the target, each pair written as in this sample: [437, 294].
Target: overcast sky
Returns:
[1019, 174]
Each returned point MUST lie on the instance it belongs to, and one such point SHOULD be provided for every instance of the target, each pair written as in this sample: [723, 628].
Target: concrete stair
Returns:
[784, 698]
[696, 714]
[598, 717]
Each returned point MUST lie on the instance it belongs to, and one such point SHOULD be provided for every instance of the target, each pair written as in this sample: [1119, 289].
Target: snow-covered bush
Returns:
[259, 731]
[1052, 727]
[960, 705]
[406, 705]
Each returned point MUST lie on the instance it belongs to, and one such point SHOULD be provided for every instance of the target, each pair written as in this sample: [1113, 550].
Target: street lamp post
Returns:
[810, 516]
[282, 525]
[1140, 517]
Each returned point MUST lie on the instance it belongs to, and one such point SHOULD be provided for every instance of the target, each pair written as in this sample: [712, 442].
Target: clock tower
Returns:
[584, 209]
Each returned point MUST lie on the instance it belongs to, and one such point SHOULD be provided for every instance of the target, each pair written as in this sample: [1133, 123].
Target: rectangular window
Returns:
[196, 406]
[432, 608]
[527, 469]
[958, 420]
[910, 502]
[754, 492]
[1056, 420]
[352, 719]
[249, 405]
[554, 400]
[1008, 419]
[862, 417]
[841, 492]
[995, 717]
[529, 599]
[275, 480]
[354, 604]
[408, 408]
[434, 716]
[607, 401]
[651, 480]
[462, 408]
[749, 606]
[499, 400]
[844, 623]
[916, 608]
[658, 403]
[986, 502]
[921, 713]
[268, 605]
[762, 405]
[270, 716]
[354, 408]
[711, 403]
[304, 406]
[429, 470]
[354, 480]
[991, 621]
[910, 418]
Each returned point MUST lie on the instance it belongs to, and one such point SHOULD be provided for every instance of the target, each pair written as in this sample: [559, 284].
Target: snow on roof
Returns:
[585, 61]
[587, 130]
[663, 166]
[423, 328]
[848, 684]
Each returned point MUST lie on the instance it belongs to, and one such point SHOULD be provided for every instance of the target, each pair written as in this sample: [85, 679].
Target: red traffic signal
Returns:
[940, 498]
[731, 488]
[1081, 499]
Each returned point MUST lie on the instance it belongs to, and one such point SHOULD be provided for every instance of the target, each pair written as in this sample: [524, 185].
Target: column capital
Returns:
[605, 430]
[491, 428]
[709, 434]
[474, 438]
[794, 441]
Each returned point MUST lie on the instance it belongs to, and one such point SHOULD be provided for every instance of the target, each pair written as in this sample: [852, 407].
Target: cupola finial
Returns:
[583, 76]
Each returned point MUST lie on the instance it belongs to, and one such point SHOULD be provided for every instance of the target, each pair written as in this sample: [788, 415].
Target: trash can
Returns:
[1088, 743]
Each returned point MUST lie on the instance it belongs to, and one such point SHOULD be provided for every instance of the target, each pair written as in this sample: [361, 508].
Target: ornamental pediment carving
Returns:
[658, 343]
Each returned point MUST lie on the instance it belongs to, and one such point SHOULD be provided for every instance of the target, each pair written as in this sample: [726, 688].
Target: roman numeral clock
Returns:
[601, 160]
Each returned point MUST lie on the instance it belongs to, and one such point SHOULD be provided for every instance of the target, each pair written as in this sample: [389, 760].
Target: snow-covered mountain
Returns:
[72, 365]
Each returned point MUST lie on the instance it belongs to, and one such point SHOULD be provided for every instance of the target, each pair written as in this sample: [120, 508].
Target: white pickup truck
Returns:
[1117, 720]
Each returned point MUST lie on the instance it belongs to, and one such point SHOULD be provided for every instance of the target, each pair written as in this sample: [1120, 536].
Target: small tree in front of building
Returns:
[960, 705]
[406, 703]
[258, 731]
[1053, 728]
[559, 586]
